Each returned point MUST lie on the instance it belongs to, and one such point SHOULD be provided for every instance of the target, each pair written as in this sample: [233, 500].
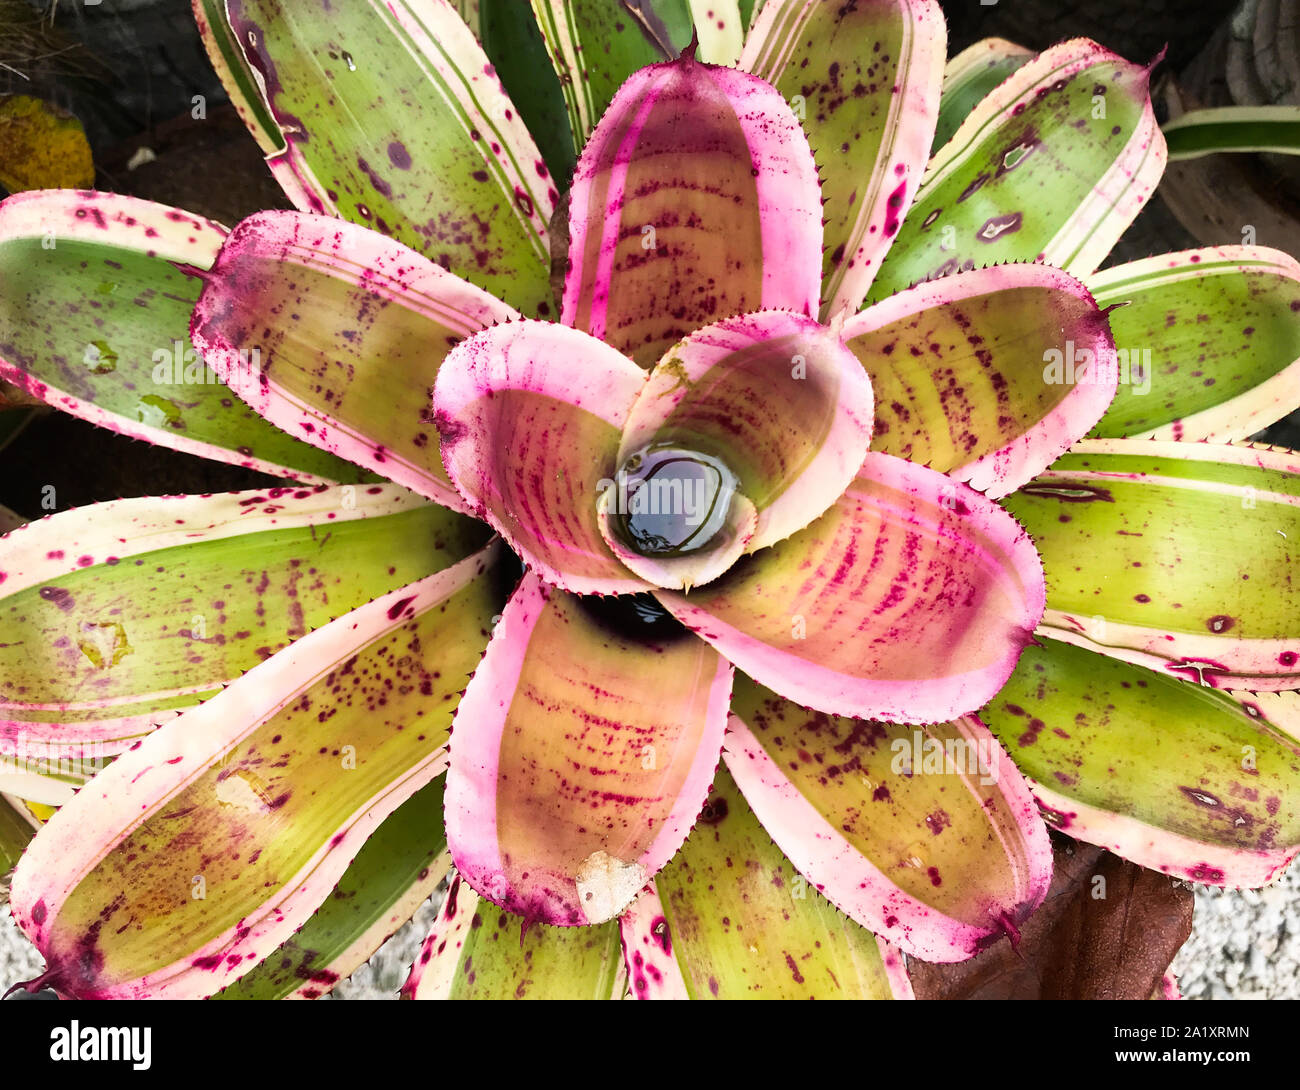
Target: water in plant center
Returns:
[671, 500]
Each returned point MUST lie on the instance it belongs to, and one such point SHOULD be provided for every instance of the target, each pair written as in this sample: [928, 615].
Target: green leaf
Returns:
[395, 871]
[478, 951]
[1234, 128]
[1074, 123]
[120, 614]
[393, 118]
[1177, 556]
[1209, 342]
[94, 320]
[514, 45]
[970, 76]
[1172, 775]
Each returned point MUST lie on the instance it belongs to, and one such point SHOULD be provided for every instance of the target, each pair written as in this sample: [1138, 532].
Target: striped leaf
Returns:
[969, 77]
[1234, 128]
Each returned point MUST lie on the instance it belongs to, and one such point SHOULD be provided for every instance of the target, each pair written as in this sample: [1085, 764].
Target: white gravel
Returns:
[1245, 945]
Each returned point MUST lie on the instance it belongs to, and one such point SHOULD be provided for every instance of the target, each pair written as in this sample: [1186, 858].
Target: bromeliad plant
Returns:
[755, 517]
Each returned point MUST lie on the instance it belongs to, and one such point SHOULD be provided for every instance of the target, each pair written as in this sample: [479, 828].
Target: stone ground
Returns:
[1244, 945]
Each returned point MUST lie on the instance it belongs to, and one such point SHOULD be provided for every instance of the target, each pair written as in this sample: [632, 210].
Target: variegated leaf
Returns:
[909, 600]
[583, 750]
[969, 77]
[335, 334]
[1177, 556]
[1075, 122]
[695, 199]
[962, 375]
[530, 415]
[1209, 343]
[441, 162]
[396, 870]
[926, 835]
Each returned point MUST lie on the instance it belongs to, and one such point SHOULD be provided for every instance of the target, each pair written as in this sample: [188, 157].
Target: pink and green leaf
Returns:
[730, 918]
[479, 951]
[926, 835]
[1176, 556]
[1210, 340]
[969, 77]
[396, 870]
[962, 376]
[1174, 776]
[909, 600]
[866, 77]
[530, 415]
[442, 162]
[120, 615]
[695, 199]
[581, 755]
[1075, 122]
[94, 320]
[216, 838]
[335, 334]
